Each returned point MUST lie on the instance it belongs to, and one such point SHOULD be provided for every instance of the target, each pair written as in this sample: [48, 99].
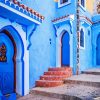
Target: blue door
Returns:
[65, 50]
[98, 51]
[6, 64]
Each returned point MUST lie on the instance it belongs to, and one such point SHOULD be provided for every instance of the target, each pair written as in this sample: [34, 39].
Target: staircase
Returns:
[54, 77]
[85, 86]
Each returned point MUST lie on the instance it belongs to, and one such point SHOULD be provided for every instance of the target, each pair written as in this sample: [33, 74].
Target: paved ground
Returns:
[86, 77]
[36, 97]
[83, 92]
[76, 92]
[95, 71]
[70, 90]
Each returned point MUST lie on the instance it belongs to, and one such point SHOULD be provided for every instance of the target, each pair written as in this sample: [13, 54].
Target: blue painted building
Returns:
[33, 41]
[89, 39]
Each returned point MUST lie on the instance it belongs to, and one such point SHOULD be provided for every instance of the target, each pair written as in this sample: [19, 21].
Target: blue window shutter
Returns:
[83, 3]
[63, 1]
[81, 38]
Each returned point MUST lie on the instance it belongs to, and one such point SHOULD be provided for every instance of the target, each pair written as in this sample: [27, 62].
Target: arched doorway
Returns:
[65, 49]
[98, 51]
[7, 63]
[18, 37]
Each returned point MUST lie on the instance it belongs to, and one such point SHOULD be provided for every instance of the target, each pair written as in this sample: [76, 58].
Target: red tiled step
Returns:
[45, 83]
[53, 78]
[60, 69]
[56, 73]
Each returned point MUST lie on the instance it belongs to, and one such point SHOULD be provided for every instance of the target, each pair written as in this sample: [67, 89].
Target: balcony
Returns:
[15, 11]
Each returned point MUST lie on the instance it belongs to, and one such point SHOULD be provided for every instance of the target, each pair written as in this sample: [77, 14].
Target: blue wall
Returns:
[67, 10]
[43, 50]
[86, 52]
[95, 34]
[42, 53]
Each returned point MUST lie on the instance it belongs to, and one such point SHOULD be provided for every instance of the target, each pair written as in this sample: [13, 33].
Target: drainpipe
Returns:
[78, 34]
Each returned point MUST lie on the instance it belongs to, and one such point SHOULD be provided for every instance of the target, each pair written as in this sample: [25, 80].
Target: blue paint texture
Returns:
[39, 37]
[42, 53]
[11, 97]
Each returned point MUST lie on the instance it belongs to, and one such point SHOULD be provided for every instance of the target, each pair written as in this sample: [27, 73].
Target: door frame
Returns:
[59, 33]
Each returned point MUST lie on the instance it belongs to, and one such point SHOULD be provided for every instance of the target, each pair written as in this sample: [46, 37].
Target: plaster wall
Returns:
[42, 53]
[66, 11]
[86, 52]
[96, 33]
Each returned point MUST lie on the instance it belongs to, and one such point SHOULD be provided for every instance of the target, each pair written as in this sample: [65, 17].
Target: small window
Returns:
[82, 38]
[89, 32]
[82, 3]
[63, 1]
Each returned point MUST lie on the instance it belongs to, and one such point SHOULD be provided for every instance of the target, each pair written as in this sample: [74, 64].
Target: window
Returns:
[82, 2]
[63, 1]
[89, 32]
[82, 38]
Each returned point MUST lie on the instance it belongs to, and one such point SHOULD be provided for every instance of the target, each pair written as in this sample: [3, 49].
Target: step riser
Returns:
[60, 69]
[52, 78]
[48, 84]
[93, 84]
[58, 73]
[93, 73]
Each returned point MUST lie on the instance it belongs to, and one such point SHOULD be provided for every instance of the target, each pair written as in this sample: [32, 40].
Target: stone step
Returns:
[58, 73]
[84, 79]
[53, 77]
[46, 83]
[68, 92]
[92, 71]
[67, 68]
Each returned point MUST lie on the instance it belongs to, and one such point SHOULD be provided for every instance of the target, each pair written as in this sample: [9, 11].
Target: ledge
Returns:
[63, 19]
[18, 13]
